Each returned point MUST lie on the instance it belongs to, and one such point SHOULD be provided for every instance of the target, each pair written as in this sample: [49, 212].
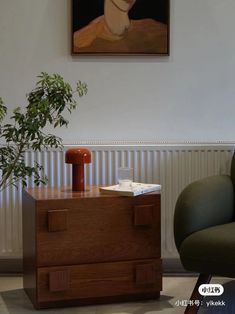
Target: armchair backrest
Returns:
[233, 170]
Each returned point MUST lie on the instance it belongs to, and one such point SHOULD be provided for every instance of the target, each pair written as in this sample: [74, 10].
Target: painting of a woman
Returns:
[119, 30]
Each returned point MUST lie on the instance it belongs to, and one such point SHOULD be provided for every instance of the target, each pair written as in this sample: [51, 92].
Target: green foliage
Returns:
[3, 110]
[47, 103]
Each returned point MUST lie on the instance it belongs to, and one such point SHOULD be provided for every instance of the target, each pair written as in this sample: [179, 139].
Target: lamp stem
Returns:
[78, 182]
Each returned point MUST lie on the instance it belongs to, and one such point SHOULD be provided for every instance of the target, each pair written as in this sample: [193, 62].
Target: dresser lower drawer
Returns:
[94, 281]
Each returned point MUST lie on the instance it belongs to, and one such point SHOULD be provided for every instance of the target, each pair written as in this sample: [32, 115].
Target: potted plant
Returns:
[47, 103]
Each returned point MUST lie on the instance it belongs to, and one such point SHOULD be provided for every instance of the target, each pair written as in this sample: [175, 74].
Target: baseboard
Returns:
[14, 265]
[172, 265]
[11, 265]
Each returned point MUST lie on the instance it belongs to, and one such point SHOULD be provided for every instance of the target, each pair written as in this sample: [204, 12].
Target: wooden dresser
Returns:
[87, 247]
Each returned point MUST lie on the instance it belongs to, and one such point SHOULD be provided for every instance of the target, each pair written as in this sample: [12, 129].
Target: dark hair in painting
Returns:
[84, 11]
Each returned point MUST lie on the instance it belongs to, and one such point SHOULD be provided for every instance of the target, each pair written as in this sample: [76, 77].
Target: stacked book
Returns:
[134, 189]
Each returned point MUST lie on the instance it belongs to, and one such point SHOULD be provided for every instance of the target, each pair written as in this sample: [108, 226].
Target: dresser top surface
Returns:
[52, 193]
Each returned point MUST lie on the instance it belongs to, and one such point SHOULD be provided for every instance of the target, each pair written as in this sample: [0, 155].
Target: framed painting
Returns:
[120, 27]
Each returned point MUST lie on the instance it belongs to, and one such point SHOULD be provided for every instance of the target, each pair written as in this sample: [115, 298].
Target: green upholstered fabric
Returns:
[202, 204]
[233, 170]
[211, 251]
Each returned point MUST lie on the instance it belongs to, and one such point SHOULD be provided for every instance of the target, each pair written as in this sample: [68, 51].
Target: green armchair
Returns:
[204, 229]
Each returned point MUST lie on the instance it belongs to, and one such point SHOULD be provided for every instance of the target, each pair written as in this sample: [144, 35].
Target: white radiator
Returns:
[173, 166]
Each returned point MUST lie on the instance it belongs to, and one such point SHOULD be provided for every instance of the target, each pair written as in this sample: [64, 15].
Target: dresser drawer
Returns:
[99, 280]
[98, 230]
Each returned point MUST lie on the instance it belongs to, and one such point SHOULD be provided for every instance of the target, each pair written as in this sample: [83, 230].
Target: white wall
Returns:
[189, 96]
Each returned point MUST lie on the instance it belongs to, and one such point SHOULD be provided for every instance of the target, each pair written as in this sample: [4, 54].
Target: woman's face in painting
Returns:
[123, 5]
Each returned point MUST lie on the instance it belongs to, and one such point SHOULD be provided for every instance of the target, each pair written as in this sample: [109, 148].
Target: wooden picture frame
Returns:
[120, 27]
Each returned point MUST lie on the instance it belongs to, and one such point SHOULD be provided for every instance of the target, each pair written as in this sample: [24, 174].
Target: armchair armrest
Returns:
[202, 204]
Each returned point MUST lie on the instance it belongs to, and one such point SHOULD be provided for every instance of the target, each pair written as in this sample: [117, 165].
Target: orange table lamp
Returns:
[78, 157]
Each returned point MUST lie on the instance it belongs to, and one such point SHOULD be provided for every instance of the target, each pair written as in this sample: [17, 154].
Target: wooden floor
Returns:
[14, 301]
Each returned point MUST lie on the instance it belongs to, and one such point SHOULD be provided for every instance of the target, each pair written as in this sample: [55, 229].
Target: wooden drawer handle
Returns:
[59, 280]
[57, 220]
[145, 274]
[143, 215]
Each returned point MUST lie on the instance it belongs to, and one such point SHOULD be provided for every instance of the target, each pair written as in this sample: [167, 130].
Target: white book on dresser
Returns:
[134, 190]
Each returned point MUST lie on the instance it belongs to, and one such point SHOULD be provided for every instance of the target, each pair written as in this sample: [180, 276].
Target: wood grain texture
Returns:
[146, 273]
[144, 215]
[84, 247]
[98, 280]
[59, 280]
[66, 193]
[57, 220]
[99, 229]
